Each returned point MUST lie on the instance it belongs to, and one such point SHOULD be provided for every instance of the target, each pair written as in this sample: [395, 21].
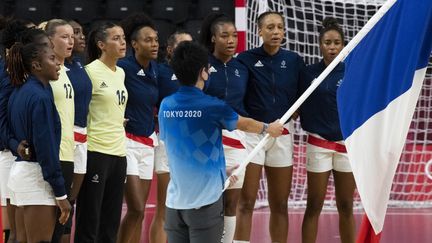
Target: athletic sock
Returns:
[240, 241]
[229, 229]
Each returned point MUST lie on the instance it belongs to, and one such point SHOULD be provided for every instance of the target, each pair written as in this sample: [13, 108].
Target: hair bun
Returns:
[330, 22]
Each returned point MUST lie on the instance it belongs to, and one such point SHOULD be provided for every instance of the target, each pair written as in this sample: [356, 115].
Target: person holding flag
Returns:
[191, 124]
[326, 152]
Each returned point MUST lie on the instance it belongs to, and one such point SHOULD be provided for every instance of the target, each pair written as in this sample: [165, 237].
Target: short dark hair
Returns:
[187, 62]
[172, 39]
[262, 16]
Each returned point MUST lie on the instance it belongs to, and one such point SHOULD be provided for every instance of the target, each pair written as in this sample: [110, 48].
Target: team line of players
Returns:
[78, 132]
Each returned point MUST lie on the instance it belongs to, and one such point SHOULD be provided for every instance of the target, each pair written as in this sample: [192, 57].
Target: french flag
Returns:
[376, 101]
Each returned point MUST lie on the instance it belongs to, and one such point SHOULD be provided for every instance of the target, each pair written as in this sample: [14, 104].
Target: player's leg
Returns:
[249, 190]
[345, 186]
[246, 202]
[319, 165]
[278, 168]
[157, 232]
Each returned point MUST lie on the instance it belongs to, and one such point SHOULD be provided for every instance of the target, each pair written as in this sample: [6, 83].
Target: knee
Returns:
[136, 213]
[314, 207]
[246, 205]
[345, 207]
[230, 207]
[279, 207]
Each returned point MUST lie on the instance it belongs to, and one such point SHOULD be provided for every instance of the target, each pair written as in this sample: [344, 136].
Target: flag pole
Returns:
[342, 55]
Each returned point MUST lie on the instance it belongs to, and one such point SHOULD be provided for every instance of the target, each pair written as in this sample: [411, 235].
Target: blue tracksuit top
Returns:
[319, 113]
[273, 82]
[32, 116]
[191, 124]
[82, 86]
[6, 140]
[142, 88]
[228, 82]
[5, 91]
[167, 81]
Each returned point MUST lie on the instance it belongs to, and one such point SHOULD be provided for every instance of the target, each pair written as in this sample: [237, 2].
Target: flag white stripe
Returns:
[378, 158]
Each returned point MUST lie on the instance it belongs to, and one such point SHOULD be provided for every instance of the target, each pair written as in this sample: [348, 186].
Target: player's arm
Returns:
[250, 125]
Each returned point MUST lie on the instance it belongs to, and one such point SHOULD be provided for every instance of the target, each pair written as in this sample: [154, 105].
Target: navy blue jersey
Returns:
[191, 124]
[273, 82]
[5, 91]
[82, 86]
[142, 87]
[167, 81]
[319, 113]
[32, 116]
[6, 140]
[228, 82]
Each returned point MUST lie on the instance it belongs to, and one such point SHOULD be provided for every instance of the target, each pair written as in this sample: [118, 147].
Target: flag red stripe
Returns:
[366, 233]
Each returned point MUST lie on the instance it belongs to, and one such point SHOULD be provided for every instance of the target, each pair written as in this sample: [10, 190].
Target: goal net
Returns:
[411, 186]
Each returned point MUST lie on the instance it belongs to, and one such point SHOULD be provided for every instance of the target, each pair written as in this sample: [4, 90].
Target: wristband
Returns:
[265, 127]
[61, 198]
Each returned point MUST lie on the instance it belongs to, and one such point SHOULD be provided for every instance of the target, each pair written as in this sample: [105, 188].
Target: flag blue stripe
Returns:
[382, 66]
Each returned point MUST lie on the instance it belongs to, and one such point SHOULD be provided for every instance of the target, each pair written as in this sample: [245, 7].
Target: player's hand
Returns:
[65, 209]
[23, 150]
[125, 121]
[232, 178]
[275, 129]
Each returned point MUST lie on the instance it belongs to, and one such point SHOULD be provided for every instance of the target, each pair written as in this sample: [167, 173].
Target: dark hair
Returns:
[11, 32]
[19, 59]
[208, 28]
[3, 21]
[51, 25]
[330, 23]
[98, 33]
[133, 23]
[32, 35]
[262, 16]
[173, 37]
[188, 60]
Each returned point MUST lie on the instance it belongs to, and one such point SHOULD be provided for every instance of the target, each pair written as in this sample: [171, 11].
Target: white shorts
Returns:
[277, 153]
[235, 152]
[80, 151]
[28, 187]
[6, 162]
[323, 155]
[161, 164]
[140, 157]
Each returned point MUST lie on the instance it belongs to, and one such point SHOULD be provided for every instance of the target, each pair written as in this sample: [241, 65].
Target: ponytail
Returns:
[97, 34]
[15, 65]
[19, 61]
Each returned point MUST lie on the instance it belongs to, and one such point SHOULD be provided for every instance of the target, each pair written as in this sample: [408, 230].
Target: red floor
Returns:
[401, 226]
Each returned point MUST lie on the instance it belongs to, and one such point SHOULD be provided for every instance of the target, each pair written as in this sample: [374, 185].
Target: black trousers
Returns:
[59, 230]
[99, 202]
[195, 225]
